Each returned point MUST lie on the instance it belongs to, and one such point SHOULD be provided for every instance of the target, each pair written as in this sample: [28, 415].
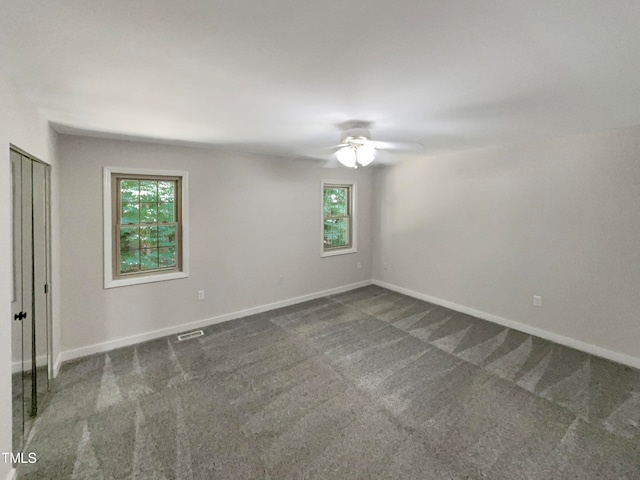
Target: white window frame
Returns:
[109, 280]
[354, 219]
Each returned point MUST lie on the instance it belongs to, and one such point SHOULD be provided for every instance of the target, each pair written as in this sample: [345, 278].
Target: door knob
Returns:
[20, 316]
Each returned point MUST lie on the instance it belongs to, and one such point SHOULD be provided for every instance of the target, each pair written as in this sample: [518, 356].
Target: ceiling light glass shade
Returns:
[351, 156]
[366, 154]
[347, 156]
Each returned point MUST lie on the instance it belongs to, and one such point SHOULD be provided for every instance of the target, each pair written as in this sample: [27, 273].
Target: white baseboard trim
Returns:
[67, 355]
[617, 357]
[12, 474]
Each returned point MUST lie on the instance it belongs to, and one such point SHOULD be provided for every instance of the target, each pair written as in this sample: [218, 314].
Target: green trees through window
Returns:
[337, 212]
[147, 224]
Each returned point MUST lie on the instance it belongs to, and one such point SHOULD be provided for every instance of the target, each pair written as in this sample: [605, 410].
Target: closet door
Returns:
[17, 310]
[30, 299]
[28, 350]
[40, 373]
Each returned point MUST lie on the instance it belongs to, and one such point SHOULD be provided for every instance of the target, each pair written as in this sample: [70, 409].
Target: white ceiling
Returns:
[278, 76]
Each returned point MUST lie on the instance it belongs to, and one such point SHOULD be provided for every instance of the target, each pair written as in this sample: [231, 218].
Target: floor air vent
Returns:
[187, 336]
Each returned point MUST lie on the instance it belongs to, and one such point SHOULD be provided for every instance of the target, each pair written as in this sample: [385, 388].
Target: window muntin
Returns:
[147, 227]
[337, 208]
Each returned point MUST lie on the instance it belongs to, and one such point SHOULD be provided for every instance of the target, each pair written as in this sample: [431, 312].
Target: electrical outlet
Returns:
[359, 265]
[537, 301]
[200, 294]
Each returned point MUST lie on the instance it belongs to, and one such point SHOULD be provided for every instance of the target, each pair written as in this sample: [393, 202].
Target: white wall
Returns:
[22, 126]
[488, 229]
[253, 218]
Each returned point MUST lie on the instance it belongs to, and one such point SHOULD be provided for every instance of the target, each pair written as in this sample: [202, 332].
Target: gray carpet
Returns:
[363, 385]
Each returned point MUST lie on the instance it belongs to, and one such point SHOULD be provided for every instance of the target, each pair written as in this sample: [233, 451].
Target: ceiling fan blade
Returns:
[324, 160]
[399, 146]
[335, 147]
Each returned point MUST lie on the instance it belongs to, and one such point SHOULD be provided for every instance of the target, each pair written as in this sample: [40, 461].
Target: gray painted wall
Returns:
[488, 229]
[22, 126]
[253, 218]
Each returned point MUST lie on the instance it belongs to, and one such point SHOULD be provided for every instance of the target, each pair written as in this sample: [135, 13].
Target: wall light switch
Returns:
[537, 301]
[200, 294]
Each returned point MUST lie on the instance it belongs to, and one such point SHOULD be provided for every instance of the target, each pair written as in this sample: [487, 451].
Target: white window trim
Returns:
[109, 281]
[354, 219]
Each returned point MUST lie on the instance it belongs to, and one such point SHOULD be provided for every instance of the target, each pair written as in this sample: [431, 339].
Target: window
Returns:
[338, 218]
[145, 226]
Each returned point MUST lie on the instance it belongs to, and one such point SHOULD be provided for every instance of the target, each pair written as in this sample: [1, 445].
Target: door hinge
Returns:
[46, 288]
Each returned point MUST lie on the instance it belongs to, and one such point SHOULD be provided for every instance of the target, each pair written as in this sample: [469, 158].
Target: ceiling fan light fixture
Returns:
[347, 156]
[357, 148]
[356, 154]
[356, 131]
[365, 154]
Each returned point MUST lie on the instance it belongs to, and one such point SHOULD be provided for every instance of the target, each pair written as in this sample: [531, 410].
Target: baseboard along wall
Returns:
[68, 355]
[614, 356]
[617, 357]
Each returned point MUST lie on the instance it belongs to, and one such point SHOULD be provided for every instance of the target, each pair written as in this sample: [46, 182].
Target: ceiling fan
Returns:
[357, 148]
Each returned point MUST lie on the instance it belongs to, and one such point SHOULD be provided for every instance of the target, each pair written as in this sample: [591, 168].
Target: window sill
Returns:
[332, 253]
[161, 277]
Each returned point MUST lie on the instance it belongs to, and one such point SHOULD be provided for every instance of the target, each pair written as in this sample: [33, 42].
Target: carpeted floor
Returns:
[363, 385]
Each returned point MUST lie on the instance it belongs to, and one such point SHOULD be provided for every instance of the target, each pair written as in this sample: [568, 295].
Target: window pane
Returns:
[129, 238]
[148, 191]
[130, 190]
[165, 213]
[167, 236]
[148, 212]
[335, 201]
[166, 192]
[146, 225]
[336, 233]
[326, 202]
[130, 213]
[148, 237]
[329, 235]
[149, 259]
[129, 261]
[167, 257]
